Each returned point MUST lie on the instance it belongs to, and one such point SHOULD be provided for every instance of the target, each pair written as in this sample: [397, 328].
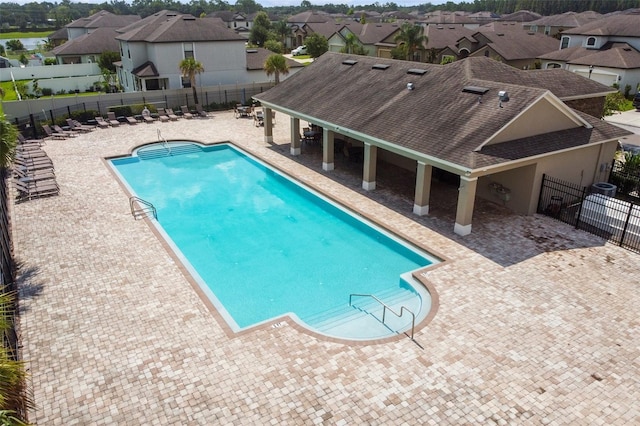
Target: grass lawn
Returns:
[17, 34]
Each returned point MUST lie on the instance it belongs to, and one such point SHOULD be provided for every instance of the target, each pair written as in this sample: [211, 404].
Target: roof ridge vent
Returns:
[380, 66]
[416, 71]
[477, 90]
[349, 62]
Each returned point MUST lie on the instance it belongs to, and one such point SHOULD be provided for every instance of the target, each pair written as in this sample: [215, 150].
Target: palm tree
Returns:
[8, 138]
[276, 64]
[189, 67]
[412, 36]
[283, 30]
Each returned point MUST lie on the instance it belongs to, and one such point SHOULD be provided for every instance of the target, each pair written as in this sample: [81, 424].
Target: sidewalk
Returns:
[629, 120]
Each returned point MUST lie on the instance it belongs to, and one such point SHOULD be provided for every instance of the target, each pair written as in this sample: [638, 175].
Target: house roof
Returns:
[442, 36]
[622, 25]
[171, 27]
[568, 19]
[514, 45]
[256, 58]
[61, 34]
[611, 55]
[436, 119]
[148, 69]
[309, 16]
[520, 16]
[327, 29]
[371, 33]
[103, 19]
[94, 43]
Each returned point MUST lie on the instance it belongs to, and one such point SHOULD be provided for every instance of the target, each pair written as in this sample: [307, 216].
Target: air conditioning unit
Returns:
[604, 188]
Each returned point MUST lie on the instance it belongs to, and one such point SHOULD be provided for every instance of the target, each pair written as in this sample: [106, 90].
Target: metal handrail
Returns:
[148, 207]
[165, 144]
[385, 307]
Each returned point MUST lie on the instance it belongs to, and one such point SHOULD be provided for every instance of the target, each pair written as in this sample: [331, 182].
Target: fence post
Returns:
[584, 190]
[626, 224]
[34, 132]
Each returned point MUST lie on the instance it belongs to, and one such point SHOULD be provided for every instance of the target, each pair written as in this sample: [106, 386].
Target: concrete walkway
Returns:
[537, 322]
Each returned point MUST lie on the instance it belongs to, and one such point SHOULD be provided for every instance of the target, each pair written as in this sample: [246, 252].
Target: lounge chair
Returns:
[33, 163]
[36, 189]
[24, 171]
[172, 115]
[185, 112]
[131, 120]
[69, 133]
[77, 127]
[51, 134]
[101, 122]
[162, 115]
[201, 113]
[22, 141]
[113, 120]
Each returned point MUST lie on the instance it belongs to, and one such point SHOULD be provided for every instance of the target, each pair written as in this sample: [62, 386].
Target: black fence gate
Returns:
[593, 209]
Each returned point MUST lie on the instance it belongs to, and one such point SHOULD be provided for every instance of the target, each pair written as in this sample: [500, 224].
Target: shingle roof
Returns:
[514, 45]
[613, 25]
[442, 36]
[437, 118]
[568, 19]
[521, 16]
[168, 27]
[103, 19]
[96, 42]
[257, 56]
[309, 17]
[148, 69]
[327, 29]
[611, 55]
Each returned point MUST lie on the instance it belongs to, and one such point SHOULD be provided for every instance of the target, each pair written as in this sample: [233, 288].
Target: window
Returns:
[534, 29]
[564, 43]
[188, 50]
[591, 41]
[553, 65]
[547, 30]
[486, 53]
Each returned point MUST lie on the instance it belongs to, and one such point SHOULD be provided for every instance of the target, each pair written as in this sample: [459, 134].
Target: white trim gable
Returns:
[557, 116]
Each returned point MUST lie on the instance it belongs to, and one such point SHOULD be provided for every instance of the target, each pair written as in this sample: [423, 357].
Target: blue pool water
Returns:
[261, 245]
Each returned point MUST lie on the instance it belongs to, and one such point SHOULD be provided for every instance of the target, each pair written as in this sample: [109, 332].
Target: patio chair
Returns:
[258, 118]
[36, 189]
[131, 120]
[69, 133]
[51, 134]
[185, 112]
[101, 122]
[162, 115]
[201, 113]
[113, 120]
[172, 115]
[77, 127]
[22, 141]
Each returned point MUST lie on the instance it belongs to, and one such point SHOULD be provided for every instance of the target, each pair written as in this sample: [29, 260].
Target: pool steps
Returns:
[175, 149]
[363, 318]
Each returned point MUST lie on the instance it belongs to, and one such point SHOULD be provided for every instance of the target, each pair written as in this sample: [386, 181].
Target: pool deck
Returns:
[537, 322]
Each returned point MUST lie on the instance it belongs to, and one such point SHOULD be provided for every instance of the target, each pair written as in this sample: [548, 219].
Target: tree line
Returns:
[57, 15]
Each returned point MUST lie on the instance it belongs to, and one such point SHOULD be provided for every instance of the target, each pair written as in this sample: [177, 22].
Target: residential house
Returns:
[88, 38]
[517, 48]
[442, 42]
[606, 50]
[58, 37]
[555, 24]
[466, 19]
[240, 22]
[490, 128]
[369, 36]
[299, 21]
[520, 16]
[153, 48]
[256, 57]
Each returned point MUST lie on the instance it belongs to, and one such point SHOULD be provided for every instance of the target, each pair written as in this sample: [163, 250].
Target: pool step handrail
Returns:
[165, 144]
[385, 307]
[141, 208]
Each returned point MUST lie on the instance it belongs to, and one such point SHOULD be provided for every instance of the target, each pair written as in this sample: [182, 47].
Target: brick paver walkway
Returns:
[537, 322]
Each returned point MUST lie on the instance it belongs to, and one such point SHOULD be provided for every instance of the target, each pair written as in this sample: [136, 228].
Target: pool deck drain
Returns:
[537, 322]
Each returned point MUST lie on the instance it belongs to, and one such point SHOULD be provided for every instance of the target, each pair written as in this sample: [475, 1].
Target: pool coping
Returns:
[418, 275]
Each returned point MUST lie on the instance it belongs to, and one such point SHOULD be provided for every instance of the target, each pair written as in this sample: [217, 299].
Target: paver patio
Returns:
[537, 323]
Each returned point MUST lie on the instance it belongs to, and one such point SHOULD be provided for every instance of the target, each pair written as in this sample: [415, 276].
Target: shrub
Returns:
[47, 91]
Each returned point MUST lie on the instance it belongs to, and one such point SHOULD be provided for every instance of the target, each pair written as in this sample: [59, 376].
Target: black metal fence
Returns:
[626, 176]
[592, 210]
[86, 108]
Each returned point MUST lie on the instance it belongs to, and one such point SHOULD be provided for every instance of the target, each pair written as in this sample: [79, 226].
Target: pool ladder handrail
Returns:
[385, 307]
[165, 144]
[144, 208]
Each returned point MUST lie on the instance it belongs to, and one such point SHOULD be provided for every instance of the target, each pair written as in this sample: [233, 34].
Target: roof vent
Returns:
[475, 90]
[416, 71]
[349, 62]
[380, 66]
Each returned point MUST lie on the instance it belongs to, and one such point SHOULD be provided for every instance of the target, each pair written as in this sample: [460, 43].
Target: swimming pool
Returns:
[261, 246]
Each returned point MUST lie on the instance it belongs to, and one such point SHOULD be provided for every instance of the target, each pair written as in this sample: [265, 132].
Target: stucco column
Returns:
[295, 136]
[423, 189]
[466, 199]
[327, 149]
[268, 126]
[370, 163]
